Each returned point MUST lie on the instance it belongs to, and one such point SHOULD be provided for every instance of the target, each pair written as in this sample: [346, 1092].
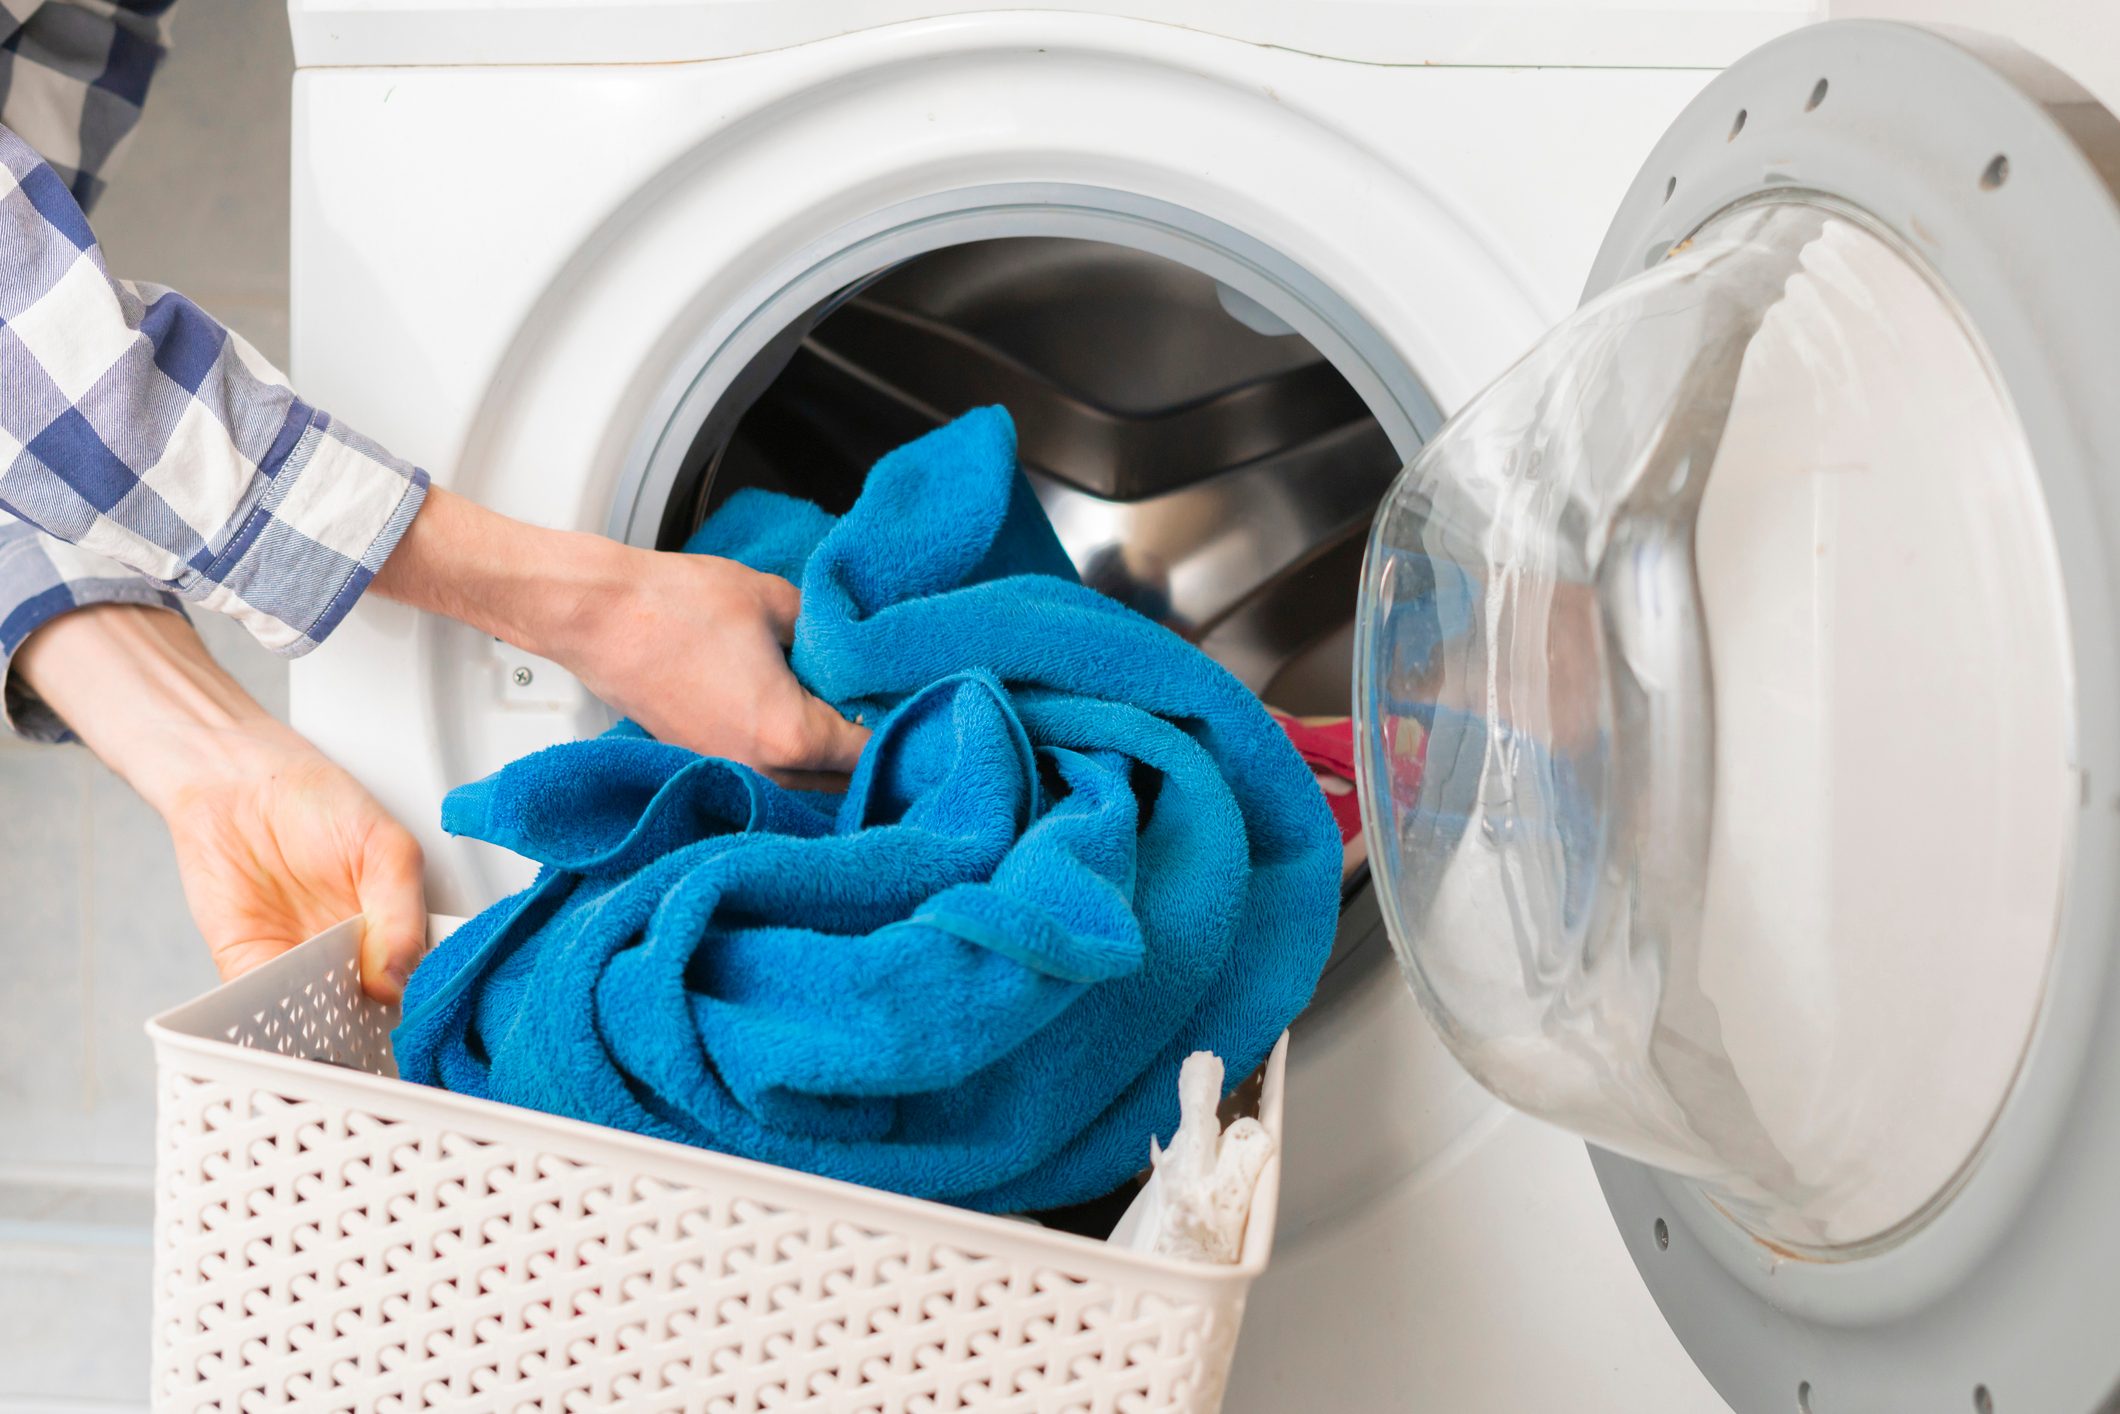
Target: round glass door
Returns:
[1714, 709]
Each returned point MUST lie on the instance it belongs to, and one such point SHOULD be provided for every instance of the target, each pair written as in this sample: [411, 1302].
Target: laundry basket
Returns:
[328, 1237]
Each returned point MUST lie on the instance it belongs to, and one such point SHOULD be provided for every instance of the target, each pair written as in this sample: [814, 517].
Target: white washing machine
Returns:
[1230, 266]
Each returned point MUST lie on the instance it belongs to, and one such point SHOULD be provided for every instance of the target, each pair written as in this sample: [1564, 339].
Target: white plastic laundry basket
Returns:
[328, 1237]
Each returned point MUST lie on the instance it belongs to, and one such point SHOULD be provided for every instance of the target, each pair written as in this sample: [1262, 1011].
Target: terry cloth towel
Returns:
[1075, 852]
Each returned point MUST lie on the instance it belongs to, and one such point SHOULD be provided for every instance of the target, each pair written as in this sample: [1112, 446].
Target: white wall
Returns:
[2081, 36]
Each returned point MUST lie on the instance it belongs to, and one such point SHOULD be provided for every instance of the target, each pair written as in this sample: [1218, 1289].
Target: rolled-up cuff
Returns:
[335, 509]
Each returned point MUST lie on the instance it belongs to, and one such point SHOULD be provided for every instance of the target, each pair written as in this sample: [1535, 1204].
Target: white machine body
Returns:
[515, 221]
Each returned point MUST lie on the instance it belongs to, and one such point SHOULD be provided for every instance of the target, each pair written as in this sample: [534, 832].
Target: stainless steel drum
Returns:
[1200, 461]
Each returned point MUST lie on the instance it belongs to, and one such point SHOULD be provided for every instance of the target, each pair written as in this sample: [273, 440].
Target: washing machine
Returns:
[1757, 828]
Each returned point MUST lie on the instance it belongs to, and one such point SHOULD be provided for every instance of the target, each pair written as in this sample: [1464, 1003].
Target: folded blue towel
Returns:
[1075, 851]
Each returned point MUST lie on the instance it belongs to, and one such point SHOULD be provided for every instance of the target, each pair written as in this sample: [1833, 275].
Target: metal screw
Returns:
[1663, 1235]
[520, 677]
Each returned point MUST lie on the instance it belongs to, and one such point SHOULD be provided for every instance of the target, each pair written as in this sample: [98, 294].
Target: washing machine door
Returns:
[1739, 719]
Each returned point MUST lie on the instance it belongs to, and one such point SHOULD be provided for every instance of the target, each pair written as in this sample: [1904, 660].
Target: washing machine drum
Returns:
[1739, 728]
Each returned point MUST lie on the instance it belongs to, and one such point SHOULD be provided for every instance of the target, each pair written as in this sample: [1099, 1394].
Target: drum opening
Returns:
[1201, 461]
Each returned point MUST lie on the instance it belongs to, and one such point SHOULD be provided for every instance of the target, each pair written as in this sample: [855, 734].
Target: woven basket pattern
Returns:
[318, 1255]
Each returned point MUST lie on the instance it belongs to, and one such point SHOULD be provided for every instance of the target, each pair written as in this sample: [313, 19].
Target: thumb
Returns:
[829, 741]
[781, 603]
[393, 912]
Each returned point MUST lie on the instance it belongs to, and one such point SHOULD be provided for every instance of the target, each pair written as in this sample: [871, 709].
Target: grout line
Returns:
[23, 1237]
[96, 1178]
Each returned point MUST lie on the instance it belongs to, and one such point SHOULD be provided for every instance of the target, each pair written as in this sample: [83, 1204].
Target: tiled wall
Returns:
[93, 933]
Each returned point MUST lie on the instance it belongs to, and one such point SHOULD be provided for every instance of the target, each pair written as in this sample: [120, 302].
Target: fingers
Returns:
[781, 603]
[806, 744]
[800, 736]
[826, 742]
[818, 749]
[393, 912]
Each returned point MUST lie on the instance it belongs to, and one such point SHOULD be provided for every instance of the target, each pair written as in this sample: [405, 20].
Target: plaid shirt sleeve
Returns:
[73, 74]
[41, 578]
[171, 459]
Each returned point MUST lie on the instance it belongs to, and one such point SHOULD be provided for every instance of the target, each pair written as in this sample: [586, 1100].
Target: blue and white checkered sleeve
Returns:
[73, 76]
[134, 426]
[40, 579]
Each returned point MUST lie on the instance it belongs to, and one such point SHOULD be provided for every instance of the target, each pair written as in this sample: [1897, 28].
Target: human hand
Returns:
[689, 646]
[274, 843]
[694, 649]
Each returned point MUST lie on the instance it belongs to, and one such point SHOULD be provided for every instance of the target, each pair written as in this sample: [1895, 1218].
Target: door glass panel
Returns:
[1714, 705]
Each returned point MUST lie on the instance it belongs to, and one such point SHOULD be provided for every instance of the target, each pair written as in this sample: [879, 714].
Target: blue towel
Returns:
[1075, 851]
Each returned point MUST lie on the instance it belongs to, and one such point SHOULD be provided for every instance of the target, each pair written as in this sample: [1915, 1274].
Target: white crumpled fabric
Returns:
[1198, 1200]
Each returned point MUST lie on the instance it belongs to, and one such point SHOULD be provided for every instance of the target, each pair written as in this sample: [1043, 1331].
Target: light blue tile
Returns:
[75, 1319]
[144, 956]
[45, 1103]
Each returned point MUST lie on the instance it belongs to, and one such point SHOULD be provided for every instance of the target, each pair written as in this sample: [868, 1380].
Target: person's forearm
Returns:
[140, 690]
[538, 589]
[689, 647]
[273, 842]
